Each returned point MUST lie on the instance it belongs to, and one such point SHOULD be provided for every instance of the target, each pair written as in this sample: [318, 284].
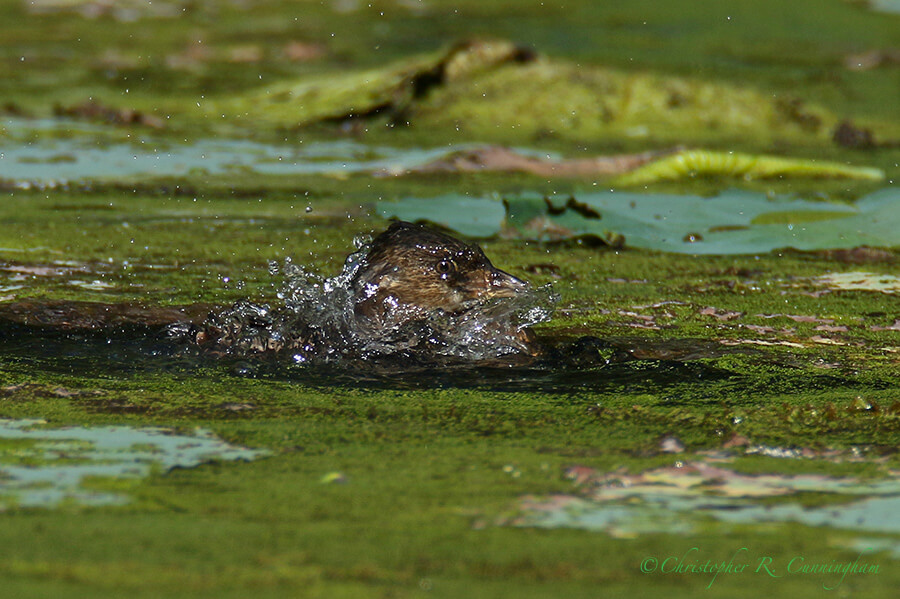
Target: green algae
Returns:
[534, 100]
[390, 90]
[726, 41]
[604, 103]
[438, 450]
[430, 468]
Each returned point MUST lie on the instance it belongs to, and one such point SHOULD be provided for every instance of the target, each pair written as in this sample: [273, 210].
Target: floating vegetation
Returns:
[46, 467]
[494, 86]
[647, 373]
[500, 159]
[95, 285]
[388, 91]
[734, 222]
[28, 276]
[48, 152]
[860, 281]
[703, 163]
[886, 6]
[875, 544]
[121, 10]
[45, 152]
[92, 110]
[704, 492]
[561, 100]
[644, 168]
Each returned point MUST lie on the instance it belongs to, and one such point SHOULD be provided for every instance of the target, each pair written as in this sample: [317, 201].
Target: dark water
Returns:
[587, 364]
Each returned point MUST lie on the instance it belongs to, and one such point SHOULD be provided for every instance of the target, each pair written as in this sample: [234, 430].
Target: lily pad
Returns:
[473, 216]
[735, 222]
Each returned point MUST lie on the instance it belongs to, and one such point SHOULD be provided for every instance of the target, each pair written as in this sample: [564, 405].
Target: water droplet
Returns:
[359, 241]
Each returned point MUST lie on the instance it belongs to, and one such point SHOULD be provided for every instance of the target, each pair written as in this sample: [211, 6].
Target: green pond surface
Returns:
[721, 375]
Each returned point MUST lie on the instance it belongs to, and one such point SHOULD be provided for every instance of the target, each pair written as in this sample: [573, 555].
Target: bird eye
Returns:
[445, 267]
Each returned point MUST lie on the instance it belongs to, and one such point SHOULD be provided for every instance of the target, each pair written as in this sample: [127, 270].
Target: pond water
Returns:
[47, 467]
[705, 360]
[703, 491]
[55, 152]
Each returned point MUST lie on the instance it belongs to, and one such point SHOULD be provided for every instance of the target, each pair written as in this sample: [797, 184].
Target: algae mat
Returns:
[784, 365]
[701, 411]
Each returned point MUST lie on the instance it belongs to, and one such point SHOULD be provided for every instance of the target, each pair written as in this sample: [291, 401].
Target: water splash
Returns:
[318, 322]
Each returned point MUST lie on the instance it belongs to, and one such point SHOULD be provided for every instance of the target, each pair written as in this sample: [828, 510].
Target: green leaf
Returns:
[735, 222]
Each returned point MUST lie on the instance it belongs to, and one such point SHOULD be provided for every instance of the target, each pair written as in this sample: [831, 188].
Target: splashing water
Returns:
[318, 322]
